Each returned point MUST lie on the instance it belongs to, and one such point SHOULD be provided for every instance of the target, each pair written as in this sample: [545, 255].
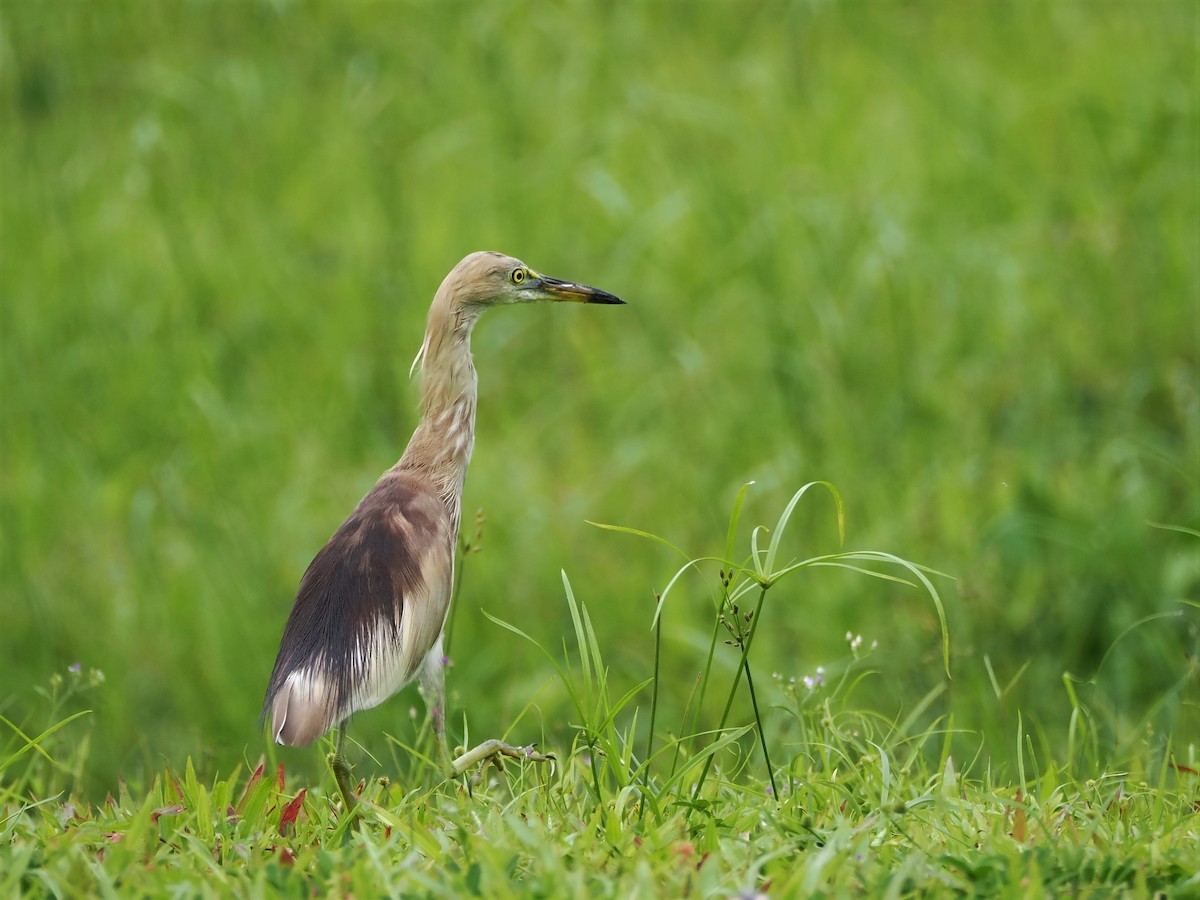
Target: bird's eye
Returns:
[517, 276]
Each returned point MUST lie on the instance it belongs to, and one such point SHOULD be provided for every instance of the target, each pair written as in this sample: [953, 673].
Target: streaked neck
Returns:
[440, 448]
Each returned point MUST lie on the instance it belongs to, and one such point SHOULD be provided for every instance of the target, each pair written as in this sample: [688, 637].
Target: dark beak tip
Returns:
[571, 290]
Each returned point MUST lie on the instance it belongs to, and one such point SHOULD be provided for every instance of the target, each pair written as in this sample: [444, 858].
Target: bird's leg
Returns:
[433, 687]
[494, 751]
[341, 770]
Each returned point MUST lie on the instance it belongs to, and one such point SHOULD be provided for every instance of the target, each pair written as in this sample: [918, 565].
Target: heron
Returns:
[371, 607]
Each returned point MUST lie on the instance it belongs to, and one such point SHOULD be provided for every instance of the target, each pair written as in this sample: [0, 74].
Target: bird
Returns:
[371, 607]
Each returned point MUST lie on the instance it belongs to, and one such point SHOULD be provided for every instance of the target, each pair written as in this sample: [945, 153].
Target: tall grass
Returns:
[856, 801]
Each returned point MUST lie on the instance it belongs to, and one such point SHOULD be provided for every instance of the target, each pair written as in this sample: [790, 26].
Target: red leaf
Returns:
[255, 778]
[287, 818]
[1020, 832]
[685, 850]
[279, 778]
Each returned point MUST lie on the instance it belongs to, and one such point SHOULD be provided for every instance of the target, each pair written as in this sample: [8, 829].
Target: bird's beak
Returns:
[557, 289]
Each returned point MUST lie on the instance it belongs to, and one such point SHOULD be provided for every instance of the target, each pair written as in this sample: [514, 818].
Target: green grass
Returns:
[942, 257]
[854, 802]
[860, 804]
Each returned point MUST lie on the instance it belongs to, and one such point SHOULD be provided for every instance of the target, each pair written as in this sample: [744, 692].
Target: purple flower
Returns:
[74, 668]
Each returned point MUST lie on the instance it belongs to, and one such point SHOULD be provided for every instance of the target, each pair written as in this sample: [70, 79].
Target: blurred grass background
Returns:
[943, 256]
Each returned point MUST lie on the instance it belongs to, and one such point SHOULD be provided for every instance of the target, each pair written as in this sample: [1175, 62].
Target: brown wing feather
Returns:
[368, 610]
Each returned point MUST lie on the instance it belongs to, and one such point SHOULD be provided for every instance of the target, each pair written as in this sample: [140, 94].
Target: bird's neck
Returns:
[440, 448]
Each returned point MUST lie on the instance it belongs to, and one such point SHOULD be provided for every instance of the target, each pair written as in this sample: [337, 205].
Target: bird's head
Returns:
[487, 279]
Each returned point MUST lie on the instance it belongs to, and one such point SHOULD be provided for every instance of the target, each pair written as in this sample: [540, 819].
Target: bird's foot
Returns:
[341, 774]
[495, 751]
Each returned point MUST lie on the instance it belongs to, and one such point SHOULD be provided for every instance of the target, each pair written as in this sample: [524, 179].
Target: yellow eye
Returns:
[517, 276]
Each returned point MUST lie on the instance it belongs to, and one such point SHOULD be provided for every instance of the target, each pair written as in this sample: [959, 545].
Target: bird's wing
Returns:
[369, 609]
